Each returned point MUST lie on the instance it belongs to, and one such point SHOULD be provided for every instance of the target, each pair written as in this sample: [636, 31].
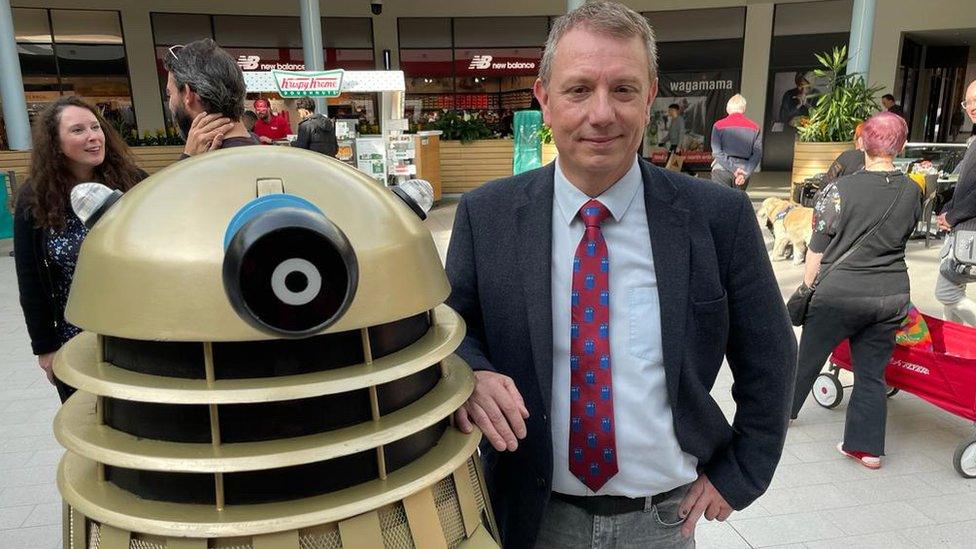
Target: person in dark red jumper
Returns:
[736, 146]
[269, 126]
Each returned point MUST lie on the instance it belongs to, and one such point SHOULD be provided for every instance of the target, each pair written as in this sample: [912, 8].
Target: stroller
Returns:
[937, 364]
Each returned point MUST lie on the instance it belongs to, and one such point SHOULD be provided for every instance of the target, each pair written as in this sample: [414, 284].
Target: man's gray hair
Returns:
[736, 104]
[607, 18]
[212, 73]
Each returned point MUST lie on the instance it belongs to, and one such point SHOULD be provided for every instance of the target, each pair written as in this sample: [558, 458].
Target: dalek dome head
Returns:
[253, 243]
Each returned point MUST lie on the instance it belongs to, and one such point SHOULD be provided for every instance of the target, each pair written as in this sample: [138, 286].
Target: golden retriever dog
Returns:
[791, 225]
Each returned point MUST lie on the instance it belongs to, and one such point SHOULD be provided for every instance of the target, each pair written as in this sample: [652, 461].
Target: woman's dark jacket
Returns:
[34, 278]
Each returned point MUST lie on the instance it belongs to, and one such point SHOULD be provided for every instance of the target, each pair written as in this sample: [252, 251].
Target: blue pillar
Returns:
[312, 50]
[12, 85]
[862, 32]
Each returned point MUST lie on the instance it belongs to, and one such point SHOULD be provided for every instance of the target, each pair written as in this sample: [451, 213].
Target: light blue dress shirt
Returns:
[650, 461]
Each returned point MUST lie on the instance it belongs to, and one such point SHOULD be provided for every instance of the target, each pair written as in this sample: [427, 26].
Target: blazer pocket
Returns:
[711, 326]
[712, 305]
[644, 312]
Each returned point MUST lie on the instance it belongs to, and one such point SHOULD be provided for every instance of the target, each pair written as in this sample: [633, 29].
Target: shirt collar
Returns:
[618, 198]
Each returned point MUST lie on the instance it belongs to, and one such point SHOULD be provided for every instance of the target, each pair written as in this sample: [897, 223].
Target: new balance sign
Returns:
[480, 62]
[318, 84]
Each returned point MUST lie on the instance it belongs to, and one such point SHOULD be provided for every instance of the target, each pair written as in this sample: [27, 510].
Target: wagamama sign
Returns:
[688, 86]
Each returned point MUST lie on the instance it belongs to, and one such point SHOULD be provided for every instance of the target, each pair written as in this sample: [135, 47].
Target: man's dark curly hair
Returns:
[212, 73]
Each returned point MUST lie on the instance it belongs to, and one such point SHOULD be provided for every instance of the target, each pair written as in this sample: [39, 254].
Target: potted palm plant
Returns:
[845, 102]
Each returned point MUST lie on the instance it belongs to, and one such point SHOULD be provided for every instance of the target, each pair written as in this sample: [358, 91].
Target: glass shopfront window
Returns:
[75, 52]
[263, 43]
[485, 64]
[700, 68]
[800, 31]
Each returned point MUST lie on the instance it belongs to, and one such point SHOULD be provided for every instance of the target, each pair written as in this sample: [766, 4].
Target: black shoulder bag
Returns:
[799, 302]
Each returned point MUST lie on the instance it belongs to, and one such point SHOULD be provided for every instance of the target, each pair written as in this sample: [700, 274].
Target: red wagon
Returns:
[943, 374]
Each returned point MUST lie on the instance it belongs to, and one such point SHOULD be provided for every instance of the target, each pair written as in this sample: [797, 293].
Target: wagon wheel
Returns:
[827, 390]
[891, 391]
[964, 460]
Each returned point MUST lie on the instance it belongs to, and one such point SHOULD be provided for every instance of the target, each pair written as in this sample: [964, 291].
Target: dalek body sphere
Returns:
[266, 363]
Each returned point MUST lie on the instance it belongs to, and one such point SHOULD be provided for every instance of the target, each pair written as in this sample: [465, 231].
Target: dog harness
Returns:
[782, 215]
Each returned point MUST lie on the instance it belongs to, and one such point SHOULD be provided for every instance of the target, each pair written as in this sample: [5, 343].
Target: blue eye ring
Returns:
[264, 204]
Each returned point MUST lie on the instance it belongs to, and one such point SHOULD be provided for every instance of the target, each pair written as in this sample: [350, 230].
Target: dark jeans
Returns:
[870, 324]
[64, 390]
[723, 177]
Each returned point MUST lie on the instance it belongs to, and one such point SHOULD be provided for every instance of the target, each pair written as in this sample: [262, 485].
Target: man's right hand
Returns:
[46, 362]
[265, 140]
[943, 224]
[206, 133]
[497, 408]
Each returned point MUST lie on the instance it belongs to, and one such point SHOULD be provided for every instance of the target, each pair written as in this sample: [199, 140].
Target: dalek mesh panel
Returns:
[262, 368]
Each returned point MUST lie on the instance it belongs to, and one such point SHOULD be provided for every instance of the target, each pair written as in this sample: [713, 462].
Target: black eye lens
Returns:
[290, 272]
[297, 281]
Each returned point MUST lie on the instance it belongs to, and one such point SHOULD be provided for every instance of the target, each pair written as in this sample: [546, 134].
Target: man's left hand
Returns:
[206, 133]
[702, 498]
[943, 224]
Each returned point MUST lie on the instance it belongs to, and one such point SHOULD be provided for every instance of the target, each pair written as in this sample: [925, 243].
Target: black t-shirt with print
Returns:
[849, 208]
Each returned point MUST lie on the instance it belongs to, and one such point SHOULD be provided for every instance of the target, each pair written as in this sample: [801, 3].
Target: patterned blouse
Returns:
[62, 256]
[826, 211]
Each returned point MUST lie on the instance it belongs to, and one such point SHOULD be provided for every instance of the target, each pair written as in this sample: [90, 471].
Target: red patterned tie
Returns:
[592, 445]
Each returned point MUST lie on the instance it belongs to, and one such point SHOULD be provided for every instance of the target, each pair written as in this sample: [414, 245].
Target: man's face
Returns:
[971, 101]
[262, 109]
[887, 102]
[597, 101]
[176, 101]
[672, 112]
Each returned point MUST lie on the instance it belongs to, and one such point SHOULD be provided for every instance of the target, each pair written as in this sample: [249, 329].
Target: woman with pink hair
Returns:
[856, 263]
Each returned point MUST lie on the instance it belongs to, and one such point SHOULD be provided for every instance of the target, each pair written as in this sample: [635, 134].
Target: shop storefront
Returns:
[700, 53]
[74, 52]
[800, 31]
[485, 64]
[272, 42]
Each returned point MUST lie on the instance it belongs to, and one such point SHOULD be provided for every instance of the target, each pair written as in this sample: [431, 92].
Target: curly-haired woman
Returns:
[72, 144]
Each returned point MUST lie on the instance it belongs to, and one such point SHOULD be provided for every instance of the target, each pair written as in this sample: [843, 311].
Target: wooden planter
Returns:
[468, 166]
[151, 159]
[809, 159]
[548, 153]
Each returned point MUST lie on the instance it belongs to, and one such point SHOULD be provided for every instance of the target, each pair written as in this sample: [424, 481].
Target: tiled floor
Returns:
[818, 500]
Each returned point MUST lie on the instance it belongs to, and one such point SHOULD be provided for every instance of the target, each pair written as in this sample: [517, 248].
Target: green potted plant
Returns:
[845, 102]
[548, 144]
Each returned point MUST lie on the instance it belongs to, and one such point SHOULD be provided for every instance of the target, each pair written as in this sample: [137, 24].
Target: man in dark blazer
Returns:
[601, 295]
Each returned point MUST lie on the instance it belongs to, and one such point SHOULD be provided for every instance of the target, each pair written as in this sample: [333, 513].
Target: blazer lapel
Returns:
[534, 244]
[667, 223]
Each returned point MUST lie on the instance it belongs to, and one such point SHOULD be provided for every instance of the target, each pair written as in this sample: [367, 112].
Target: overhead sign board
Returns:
[309, 83]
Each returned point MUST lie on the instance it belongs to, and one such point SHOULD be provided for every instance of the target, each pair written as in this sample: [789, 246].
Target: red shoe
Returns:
[870, 461]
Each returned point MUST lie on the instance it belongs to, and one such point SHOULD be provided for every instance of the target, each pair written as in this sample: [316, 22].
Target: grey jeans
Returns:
[658, 526]
[950, 289]
[723, 177]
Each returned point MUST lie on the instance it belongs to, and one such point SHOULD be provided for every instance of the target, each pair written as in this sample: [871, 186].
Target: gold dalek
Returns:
[266, 363]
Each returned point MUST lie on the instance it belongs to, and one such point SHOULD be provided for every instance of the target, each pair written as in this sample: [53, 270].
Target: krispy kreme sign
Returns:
[306, 83]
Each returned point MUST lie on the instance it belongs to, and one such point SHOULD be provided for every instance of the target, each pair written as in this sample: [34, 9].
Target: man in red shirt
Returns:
[269, 126]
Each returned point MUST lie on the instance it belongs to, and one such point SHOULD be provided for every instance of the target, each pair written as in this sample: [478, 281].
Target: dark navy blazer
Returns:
[718, 297]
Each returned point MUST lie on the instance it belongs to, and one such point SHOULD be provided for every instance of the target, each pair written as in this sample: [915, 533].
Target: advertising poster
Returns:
[371, 157]
[701, 99]
[794, 92]
[791, 95]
